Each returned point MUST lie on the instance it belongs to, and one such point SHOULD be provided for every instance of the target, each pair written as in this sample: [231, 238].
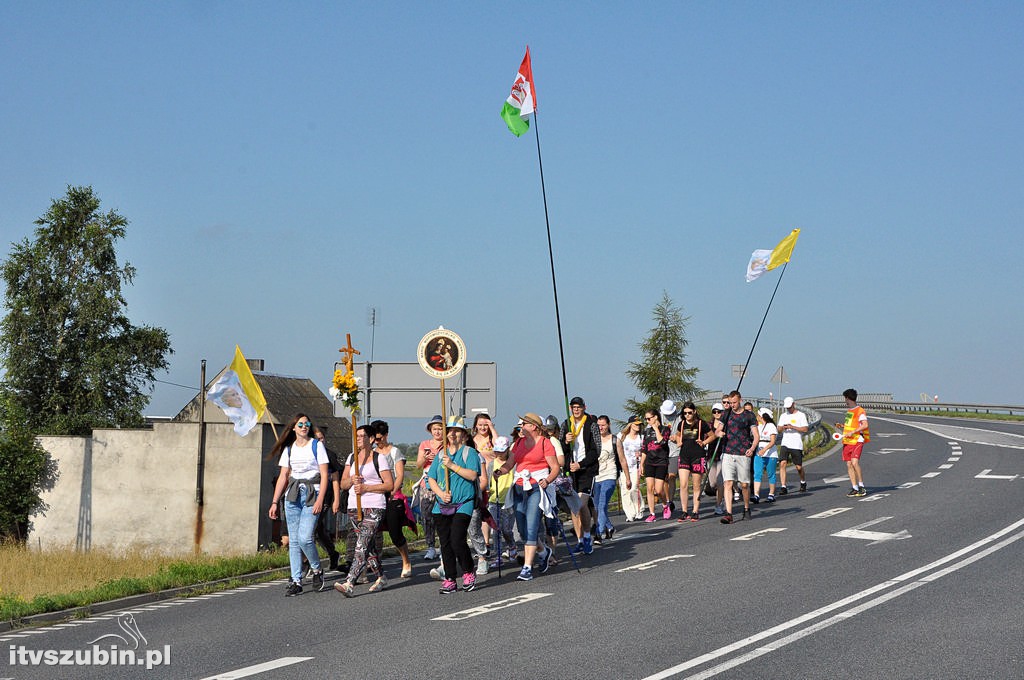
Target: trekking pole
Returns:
[711, 461]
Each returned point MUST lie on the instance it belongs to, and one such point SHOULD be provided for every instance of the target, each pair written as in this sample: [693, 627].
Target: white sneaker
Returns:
[719, 510]
[437, 573]
[481, 566]
[430, 554]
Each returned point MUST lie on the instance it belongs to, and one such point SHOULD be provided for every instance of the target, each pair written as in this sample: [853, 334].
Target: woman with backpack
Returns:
[367, 478]
[302, 485]
[693, 438]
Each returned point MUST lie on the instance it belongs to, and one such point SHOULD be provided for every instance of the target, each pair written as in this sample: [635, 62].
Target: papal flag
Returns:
[764, 260]
[522, 101]
[237, 393]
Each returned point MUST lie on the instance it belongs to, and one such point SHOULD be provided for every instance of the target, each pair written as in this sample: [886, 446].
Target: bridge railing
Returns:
[885, 402]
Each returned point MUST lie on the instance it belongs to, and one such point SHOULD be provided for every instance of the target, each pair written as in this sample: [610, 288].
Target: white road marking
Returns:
[650, 565]
[833, 480]
[985, 474]
[954, 459]
[762, 532]
[929, 475]
[828, 513]
[873, 497]
[804, 626]
[945, 466]
[873, 536]
[493, 606]
[259, 668]
[886, 451]
[907, 485]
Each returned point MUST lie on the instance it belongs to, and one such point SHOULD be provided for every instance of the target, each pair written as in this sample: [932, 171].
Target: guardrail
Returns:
[885, 402]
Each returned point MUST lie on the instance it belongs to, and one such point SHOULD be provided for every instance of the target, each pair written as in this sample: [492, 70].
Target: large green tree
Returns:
[663, 373]
[72, 359]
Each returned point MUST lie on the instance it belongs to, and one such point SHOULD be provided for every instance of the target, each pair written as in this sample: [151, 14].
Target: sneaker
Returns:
[672, 506]
[755, 498]
[852, 493]
[318, 580]
[726, 518]
[525, 574]
[481, 566]
[430, 554]
[469, 581]
[862, 491]
[694, 516]
[771, 498]
[719, 509]
[497, 563]
[380, 584]
[746, 513]
[293, 589]
[588, 545]
[650, 518]
[783, 491]
[346, 588]
[448, 587]
[545, 559]
[437, 573]
[684, 518]
[611, 534]
[666, 512]
[803, 486]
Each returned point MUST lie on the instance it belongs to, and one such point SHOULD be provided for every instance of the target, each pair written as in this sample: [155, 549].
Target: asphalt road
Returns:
[922, 578]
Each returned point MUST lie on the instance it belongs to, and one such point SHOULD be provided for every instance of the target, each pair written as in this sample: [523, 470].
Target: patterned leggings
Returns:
[427, 517]
[366, 547]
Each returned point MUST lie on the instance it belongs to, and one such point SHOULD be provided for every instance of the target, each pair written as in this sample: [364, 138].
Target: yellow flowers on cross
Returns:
[345, 387]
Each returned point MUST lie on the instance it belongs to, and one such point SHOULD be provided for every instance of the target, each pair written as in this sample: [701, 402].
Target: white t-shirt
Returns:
[631, 449]
[765, 433]
[673, 425]
[368, 472]
[302, 464]
[792, 439]
[606, 470]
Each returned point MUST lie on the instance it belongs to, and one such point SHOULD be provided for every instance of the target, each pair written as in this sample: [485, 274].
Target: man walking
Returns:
[792, 426]
[741, 429]
[855, 435]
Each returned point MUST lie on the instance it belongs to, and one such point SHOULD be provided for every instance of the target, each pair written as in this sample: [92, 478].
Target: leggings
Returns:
[366, 554]
[427, 516]
[451, 531]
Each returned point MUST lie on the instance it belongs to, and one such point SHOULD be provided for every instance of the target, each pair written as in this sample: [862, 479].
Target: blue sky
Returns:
[287, 166]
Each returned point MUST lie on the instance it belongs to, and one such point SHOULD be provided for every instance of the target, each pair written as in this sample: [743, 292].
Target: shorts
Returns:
[655, 471]
[736, 468]
[852, 451]
[787, 454]
[689, 461]
[673, 465]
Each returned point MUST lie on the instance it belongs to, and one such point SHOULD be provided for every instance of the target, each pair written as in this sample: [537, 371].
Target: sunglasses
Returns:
[715, 410]
[688, 413]
[305, 424]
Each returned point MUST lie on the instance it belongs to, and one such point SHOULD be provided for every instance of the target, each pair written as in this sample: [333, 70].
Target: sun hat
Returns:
[533, 419]
[501, 444]
[669, 409]
[435, 420]
[456, 423]
[764, 412]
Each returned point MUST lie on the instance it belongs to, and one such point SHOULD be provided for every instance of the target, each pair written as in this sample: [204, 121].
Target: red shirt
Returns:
[531, 458]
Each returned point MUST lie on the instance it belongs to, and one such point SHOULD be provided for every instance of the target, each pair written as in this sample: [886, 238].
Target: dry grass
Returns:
[38, 581]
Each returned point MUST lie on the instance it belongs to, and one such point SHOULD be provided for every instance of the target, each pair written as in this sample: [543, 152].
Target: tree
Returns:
[663, 373]
[25, 471]
[72, 359]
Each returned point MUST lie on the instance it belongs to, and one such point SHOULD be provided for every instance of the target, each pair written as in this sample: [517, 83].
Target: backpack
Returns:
[343, 506]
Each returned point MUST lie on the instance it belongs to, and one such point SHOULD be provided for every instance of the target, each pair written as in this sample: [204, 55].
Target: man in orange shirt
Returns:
[855, 434]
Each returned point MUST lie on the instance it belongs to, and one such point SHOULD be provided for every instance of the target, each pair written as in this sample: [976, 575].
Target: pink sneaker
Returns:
[468, 581]
[650, 518]
[667, 512]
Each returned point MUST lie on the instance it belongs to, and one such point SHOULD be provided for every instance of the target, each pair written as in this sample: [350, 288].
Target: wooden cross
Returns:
[348, 351]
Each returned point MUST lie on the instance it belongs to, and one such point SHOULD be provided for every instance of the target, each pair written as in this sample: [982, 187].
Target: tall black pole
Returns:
[743, 373]
[551, 257]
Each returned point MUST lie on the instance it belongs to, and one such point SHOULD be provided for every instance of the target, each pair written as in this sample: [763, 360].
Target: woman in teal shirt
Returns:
[452, 477]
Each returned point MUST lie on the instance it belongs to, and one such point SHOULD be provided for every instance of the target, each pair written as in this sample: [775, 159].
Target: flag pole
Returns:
[551, 259]
[743, 373]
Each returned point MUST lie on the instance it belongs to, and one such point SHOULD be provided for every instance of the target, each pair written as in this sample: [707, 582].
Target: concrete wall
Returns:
[124, 489]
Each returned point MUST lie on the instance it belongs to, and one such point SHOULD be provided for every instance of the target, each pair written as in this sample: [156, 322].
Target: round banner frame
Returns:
[441, 353]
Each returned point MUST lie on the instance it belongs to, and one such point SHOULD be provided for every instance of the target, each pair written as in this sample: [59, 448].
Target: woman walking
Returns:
[424, 457]
[396, 512]
[654, 463]
[693, 437]
[767, 456]
[536, 467]
[368, 479]
[610, 461]
[453, 479]
[302, 485]
[631, 499]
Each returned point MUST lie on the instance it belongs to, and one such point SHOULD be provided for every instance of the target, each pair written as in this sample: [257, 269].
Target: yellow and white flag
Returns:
[765, 260]
[238, 394]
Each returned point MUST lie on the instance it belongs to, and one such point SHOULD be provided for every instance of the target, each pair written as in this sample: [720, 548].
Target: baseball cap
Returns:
[787, 402]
